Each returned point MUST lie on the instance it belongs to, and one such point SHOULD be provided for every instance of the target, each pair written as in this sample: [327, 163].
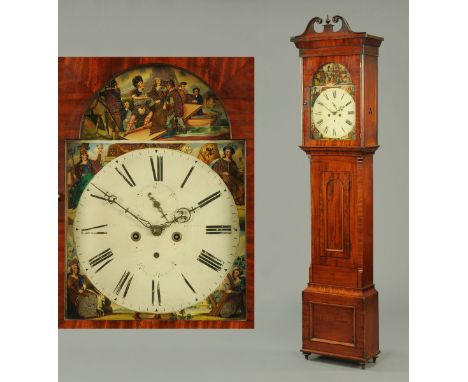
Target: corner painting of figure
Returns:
[82, 172]
[156, 101]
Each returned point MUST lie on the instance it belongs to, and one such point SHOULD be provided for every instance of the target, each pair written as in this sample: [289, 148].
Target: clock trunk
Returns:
[340, 303]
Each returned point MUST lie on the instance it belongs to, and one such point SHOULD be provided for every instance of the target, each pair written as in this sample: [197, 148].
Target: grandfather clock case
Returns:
[340, 303]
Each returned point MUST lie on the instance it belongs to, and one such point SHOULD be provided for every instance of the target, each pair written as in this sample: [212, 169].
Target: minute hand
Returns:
[112, 199]
[320, 103]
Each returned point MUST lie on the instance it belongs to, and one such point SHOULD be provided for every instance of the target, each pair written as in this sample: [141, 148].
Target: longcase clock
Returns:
[339, 126]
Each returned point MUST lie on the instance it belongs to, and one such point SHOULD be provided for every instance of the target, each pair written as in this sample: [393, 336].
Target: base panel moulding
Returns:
[340, 322]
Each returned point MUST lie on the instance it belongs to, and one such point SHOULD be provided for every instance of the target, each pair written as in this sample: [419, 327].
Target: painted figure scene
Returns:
[331, 74]
[155, 102]
[84, 301]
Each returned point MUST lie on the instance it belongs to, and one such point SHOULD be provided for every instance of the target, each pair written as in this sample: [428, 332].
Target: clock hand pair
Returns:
[182, 215]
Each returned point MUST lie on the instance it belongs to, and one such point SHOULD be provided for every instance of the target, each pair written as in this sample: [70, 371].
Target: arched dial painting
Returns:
[155, 101]
[157, 181]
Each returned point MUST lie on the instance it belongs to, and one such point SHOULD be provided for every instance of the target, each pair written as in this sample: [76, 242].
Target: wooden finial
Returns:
[328, 27]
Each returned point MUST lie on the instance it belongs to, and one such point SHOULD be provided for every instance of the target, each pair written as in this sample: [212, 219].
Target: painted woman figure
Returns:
[138, 94]
[235, 302]
[158, 95]
[83, 173]
[81, 301]
[227, 169]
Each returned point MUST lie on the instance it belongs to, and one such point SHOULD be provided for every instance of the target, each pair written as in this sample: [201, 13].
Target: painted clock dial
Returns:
[333, 105]
[334, 113]
[156, 230]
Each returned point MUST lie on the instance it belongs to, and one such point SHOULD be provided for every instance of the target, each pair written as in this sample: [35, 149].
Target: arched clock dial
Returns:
[156, 230]
[334, 113]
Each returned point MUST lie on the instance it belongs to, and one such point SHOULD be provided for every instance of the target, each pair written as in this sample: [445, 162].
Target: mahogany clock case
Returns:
[226, 82]
[340, 303]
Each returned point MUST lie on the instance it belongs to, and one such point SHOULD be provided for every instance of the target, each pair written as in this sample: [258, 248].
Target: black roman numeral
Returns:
[218, 229]
[351, 112]
[128, 178]
[348, 103]
[319, 122]
[158, 170]
[104, 257]
[159, 294]
[186, 177]
[326, 129]
[209, 199]
[334, 132]
[334, 93]
[326, 96]
[349, 122]
[91, 230]
[124, 279]
[210, 260]
[158, 291]
[188, 284]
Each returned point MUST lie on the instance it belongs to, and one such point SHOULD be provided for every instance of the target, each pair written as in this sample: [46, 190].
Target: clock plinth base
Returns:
[340, 322]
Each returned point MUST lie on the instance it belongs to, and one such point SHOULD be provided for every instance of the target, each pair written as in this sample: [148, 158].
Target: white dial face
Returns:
[156, 230]
[334, 113]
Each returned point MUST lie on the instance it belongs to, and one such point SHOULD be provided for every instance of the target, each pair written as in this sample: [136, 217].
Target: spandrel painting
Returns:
[86, 162]
[156, 101]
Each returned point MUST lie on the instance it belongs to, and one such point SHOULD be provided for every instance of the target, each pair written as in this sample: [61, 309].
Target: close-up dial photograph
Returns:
[156, 230]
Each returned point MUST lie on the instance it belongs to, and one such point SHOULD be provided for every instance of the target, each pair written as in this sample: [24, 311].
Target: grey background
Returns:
[261, 29]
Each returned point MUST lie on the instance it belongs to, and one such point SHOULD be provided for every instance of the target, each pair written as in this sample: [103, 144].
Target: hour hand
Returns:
[202, 203]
